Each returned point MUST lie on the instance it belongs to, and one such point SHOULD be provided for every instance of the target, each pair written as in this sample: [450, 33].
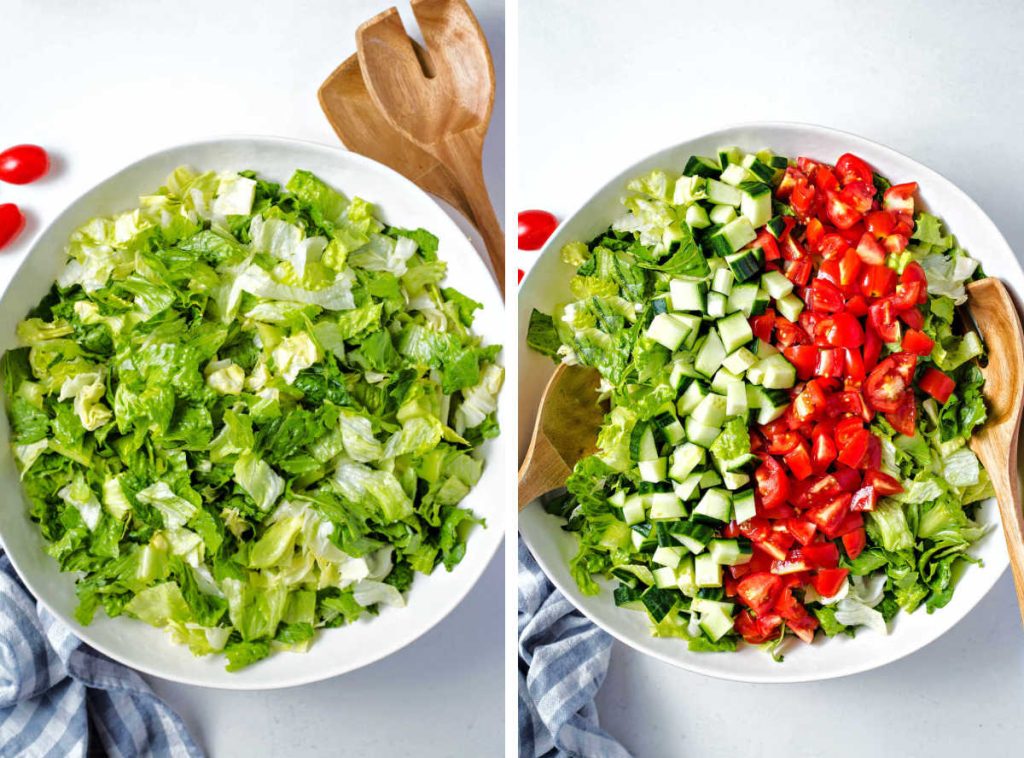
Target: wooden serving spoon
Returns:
[442, 101]
[995, 443]
[568, 421]
[354, 117]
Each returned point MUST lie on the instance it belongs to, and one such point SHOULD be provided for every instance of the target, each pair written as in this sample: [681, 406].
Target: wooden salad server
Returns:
[441, 101]
[995, 443]
[362, 129]
[568, 421]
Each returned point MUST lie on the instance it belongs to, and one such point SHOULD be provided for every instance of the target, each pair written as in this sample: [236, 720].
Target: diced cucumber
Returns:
[728, 552]
[734, 331]
[698, 165]
[773, 405]
[716, 304]
[700, 434]
[738, 233]
[692, 535]
[658, 602]
[689, 189]
[667, 330]
[722, 214]
[701, 603]
[690, 399]
[643, 537]
[716, 623]
[761, 302]
[727, 155]
[669, 428]
[758, 168]
[741, 299]
[633, 510]
[697, 217]
[735, 174]
[715, 506]
[764, 349]
[665, 577]
[669, 556]
[665, 505]
[706, 572]
[687, 489]
[711, 354]
[687, 295]
[653, 471]
[710, 478]
[790, 306]
[776, 285]
[743, 506]
[756, 203]
[685, 577]
[719, 193]
[739, 361]
[746, 263]
[692, 322]
[736, 399]
[711, 411]
[722, 281]
[642, 445]
[618, 499]
[723, 379]
[682, 368]
[753, 396]
[779, 373]
[685, 459]
[733, 480]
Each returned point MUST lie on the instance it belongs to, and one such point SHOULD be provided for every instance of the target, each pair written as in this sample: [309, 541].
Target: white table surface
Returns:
[104, 82]
[604, 83]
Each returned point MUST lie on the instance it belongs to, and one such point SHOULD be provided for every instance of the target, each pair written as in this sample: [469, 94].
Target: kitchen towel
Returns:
[563, 659]
[59, 697]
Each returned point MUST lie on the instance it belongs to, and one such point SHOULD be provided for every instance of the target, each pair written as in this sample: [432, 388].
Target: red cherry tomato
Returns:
[22, 164]
[534, 229]
[890, 382]
[12, 221]
[852, 169]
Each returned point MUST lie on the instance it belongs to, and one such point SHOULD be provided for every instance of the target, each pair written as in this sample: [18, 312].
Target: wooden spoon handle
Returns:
[1006, 482]
[461, 155]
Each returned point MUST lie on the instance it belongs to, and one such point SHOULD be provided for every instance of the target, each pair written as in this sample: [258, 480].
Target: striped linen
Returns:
[563, 659]
[58, 697]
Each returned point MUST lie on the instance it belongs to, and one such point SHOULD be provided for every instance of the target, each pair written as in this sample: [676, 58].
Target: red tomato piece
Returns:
[22, 164]
[850, 169]
[882, 316]
[772, 483]
[853, 451]
[853, 365]
[844, 331]
[810, 402]
[830, 363]
[814, 233]
[792, 250]
[877, 281]
[799, 272]
[763, 325]
[822, 555]
[787, 333]
[906, 296]
[802, 531]
[829, 515]
[900, 197]
[890, 381]
[872, 349]
[793, 563]
[535, 227]
[896, 243]
[759, 591]
[824, 179]
[854, 543]
[859, 195]
[799, 461]
[913, 318]
[882, 483]
[849, 268]
[802, 199]
[839, 211]
[849, 523]
[804, 358]
[12, 221]
[768, 244]
[749, 628]
[825, 297]
[937, 384]
[870, 251]
[864, 499]
[914, 272]
[880, 223]
[790, 180]
[904, 418]
[918, 343]
[782, 443]
[857, 306]
[823, 451]
[803, 627]
[829, 581]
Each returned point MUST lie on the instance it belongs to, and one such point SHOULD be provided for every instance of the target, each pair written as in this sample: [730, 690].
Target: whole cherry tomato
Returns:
[22, 164]
[534, 229]
[11, 222]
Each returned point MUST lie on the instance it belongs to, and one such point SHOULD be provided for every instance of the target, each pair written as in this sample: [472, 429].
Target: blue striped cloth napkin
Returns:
[563, 659]
[58, 697]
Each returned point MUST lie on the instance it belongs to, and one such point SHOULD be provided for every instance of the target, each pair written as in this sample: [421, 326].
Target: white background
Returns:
[604, 83]
[102, 83]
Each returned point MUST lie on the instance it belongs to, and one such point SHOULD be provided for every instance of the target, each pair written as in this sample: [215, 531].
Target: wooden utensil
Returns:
[442, 102]
[568, 421]
[995, 443]
[354, 117]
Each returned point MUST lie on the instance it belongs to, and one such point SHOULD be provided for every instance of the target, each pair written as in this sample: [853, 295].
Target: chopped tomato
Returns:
[904, 418]
[824, 296]
[804, 358]
[814, 233]
[810, 402]
[750, 630]
[799, 272]
[790, 180]
[783, 442]
[859, 195]
[877, 281]
[872, 349]
[821, 554]
[823, 451]
[803, 627]
[907, 295]
[839, 210]
[854, 543]
[829, 581]
[882, 483]
[937, 384]
[864, 499]
[829, 515]
[880, 223]
[844, 330]
[802, 199]
[802, 531]
[900, 197]
[914, 272]
[763, 325]
[870, 251]
[854, 450]
[882, 316]
[896, 243]
[912, 317]
[918, 343]
[830, 363]
[793, 563]
[798, 460]
[890, 381]
[759, 591]
[850, 169]
[772, 483]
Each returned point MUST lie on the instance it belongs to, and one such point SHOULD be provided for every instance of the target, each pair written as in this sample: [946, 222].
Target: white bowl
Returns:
[334, 651]
[547, 283]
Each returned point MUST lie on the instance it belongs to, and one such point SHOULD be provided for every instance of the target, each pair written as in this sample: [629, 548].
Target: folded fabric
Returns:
[59, 697]
[563, 659]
